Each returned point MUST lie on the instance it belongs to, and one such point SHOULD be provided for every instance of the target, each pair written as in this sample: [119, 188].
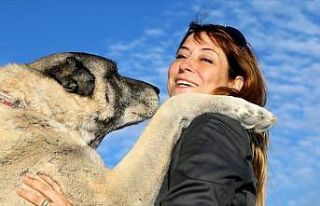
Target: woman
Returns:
[216, 161]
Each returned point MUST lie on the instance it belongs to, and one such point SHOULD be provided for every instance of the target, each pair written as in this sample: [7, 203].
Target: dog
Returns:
[55, 111]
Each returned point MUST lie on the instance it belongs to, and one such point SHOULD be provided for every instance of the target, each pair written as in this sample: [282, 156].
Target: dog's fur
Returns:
[64, 104]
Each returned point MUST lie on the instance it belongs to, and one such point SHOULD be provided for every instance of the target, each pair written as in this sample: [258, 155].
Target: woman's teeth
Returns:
[185, 83]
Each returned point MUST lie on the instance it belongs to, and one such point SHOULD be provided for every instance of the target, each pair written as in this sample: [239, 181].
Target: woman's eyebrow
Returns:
[209, 49]
[212, 50]
[184, 47]
[203, 49]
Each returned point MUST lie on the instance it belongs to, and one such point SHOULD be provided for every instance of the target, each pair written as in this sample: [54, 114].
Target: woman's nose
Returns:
[186, 65]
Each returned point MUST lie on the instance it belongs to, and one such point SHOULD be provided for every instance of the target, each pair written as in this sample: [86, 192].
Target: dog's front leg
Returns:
[136, 180]
[138, 177]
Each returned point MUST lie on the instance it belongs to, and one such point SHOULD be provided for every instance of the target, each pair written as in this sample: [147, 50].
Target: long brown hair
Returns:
[242, 62]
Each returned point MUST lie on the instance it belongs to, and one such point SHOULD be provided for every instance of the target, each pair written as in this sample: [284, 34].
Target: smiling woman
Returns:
[216, 162]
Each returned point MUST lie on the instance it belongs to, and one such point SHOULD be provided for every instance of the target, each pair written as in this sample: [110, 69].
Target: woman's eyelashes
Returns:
[201, 58]
[206, 60]
[180, 56]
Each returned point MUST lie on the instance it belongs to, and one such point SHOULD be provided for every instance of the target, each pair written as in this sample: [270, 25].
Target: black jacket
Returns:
[211, 165]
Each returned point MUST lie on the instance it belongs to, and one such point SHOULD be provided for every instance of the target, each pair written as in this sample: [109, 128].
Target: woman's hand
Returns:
[46, 192]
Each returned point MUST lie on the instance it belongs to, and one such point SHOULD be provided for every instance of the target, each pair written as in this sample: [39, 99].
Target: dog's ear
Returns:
[71, 74]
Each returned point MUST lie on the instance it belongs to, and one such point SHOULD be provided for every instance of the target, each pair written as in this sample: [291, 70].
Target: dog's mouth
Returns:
[136, 118]
[143, 116]
[95, 142]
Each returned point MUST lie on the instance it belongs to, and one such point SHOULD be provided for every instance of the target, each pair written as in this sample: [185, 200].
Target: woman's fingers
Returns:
[51, 182]
[31, 197]
[47, 189]
[41, 186]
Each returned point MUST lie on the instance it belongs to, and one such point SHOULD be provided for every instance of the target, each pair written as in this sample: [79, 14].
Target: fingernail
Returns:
[18, 189]
[24, 177]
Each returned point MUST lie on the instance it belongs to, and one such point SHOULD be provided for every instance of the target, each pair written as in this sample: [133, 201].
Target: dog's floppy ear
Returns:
[71, 74]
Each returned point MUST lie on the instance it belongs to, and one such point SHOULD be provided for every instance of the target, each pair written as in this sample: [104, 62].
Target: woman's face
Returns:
[199, 67]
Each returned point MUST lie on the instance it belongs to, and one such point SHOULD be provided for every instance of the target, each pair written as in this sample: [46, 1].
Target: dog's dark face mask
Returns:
[69, 72]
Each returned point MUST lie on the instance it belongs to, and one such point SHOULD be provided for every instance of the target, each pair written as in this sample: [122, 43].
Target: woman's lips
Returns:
[185, 83]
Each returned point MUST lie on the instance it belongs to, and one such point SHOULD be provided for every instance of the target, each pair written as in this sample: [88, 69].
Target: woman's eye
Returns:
[207, 60]
[180, 56]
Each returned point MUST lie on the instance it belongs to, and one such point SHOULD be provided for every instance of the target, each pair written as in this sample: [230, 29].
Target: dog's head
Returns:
[101, 98]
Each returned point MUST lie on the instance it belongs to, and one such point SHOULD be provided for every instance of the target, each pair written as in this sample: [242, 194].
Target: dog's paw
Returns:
[250, 116]
[254, 117]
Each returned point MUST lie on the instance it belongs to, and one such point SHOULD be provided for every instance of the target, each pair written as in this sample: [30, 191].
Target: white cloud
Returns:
[118, 48]
[306, 199]
[155, 32]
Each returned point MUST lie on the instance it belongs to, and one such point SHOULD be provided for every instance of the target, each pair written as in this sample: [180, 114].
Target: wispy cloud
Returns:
[155, 32]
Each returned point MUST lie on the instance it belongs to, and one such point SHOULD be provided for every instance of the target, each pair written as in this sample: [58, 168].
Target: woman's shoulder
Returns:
[214, 128]
[214, 142]
[215, 119]
[217, 122]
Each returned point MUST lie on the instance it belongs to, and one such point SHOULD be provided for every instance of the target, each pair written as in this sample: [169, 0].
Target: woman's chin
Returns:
[182, 90]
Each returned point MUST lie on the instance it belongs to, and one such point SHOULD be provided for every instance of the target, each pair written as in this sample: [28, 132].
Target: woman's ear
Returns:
[237, 83]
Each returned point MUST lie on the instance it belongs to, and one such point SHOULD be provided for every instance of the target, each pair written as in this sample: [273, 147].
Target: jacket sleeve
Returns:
[214, 160]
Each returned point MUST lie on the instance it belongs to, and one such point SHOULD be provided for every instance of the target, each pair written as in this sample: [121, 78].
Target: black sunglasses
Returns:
[234, 33]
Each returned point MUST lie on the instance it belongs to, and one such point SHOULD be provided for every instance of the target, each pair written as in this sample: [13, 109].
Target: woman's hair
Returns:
[242, 62]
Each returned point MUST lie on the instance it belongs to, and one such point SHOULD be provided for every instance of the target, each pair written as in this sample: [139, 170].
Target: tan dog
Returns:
[54, 113]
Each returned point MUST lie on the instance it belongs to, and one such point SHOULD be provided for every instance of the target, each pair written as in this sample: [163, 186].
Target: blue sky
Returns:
[142, 36]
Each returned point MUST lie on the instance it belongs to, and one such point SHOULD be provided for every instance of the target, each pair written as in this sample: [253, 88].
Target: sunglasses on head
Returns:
[234, 33]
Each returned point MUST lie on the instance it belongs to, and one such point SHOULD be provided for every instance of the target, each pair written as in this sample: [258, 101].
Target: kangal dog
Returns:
[55, 111]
